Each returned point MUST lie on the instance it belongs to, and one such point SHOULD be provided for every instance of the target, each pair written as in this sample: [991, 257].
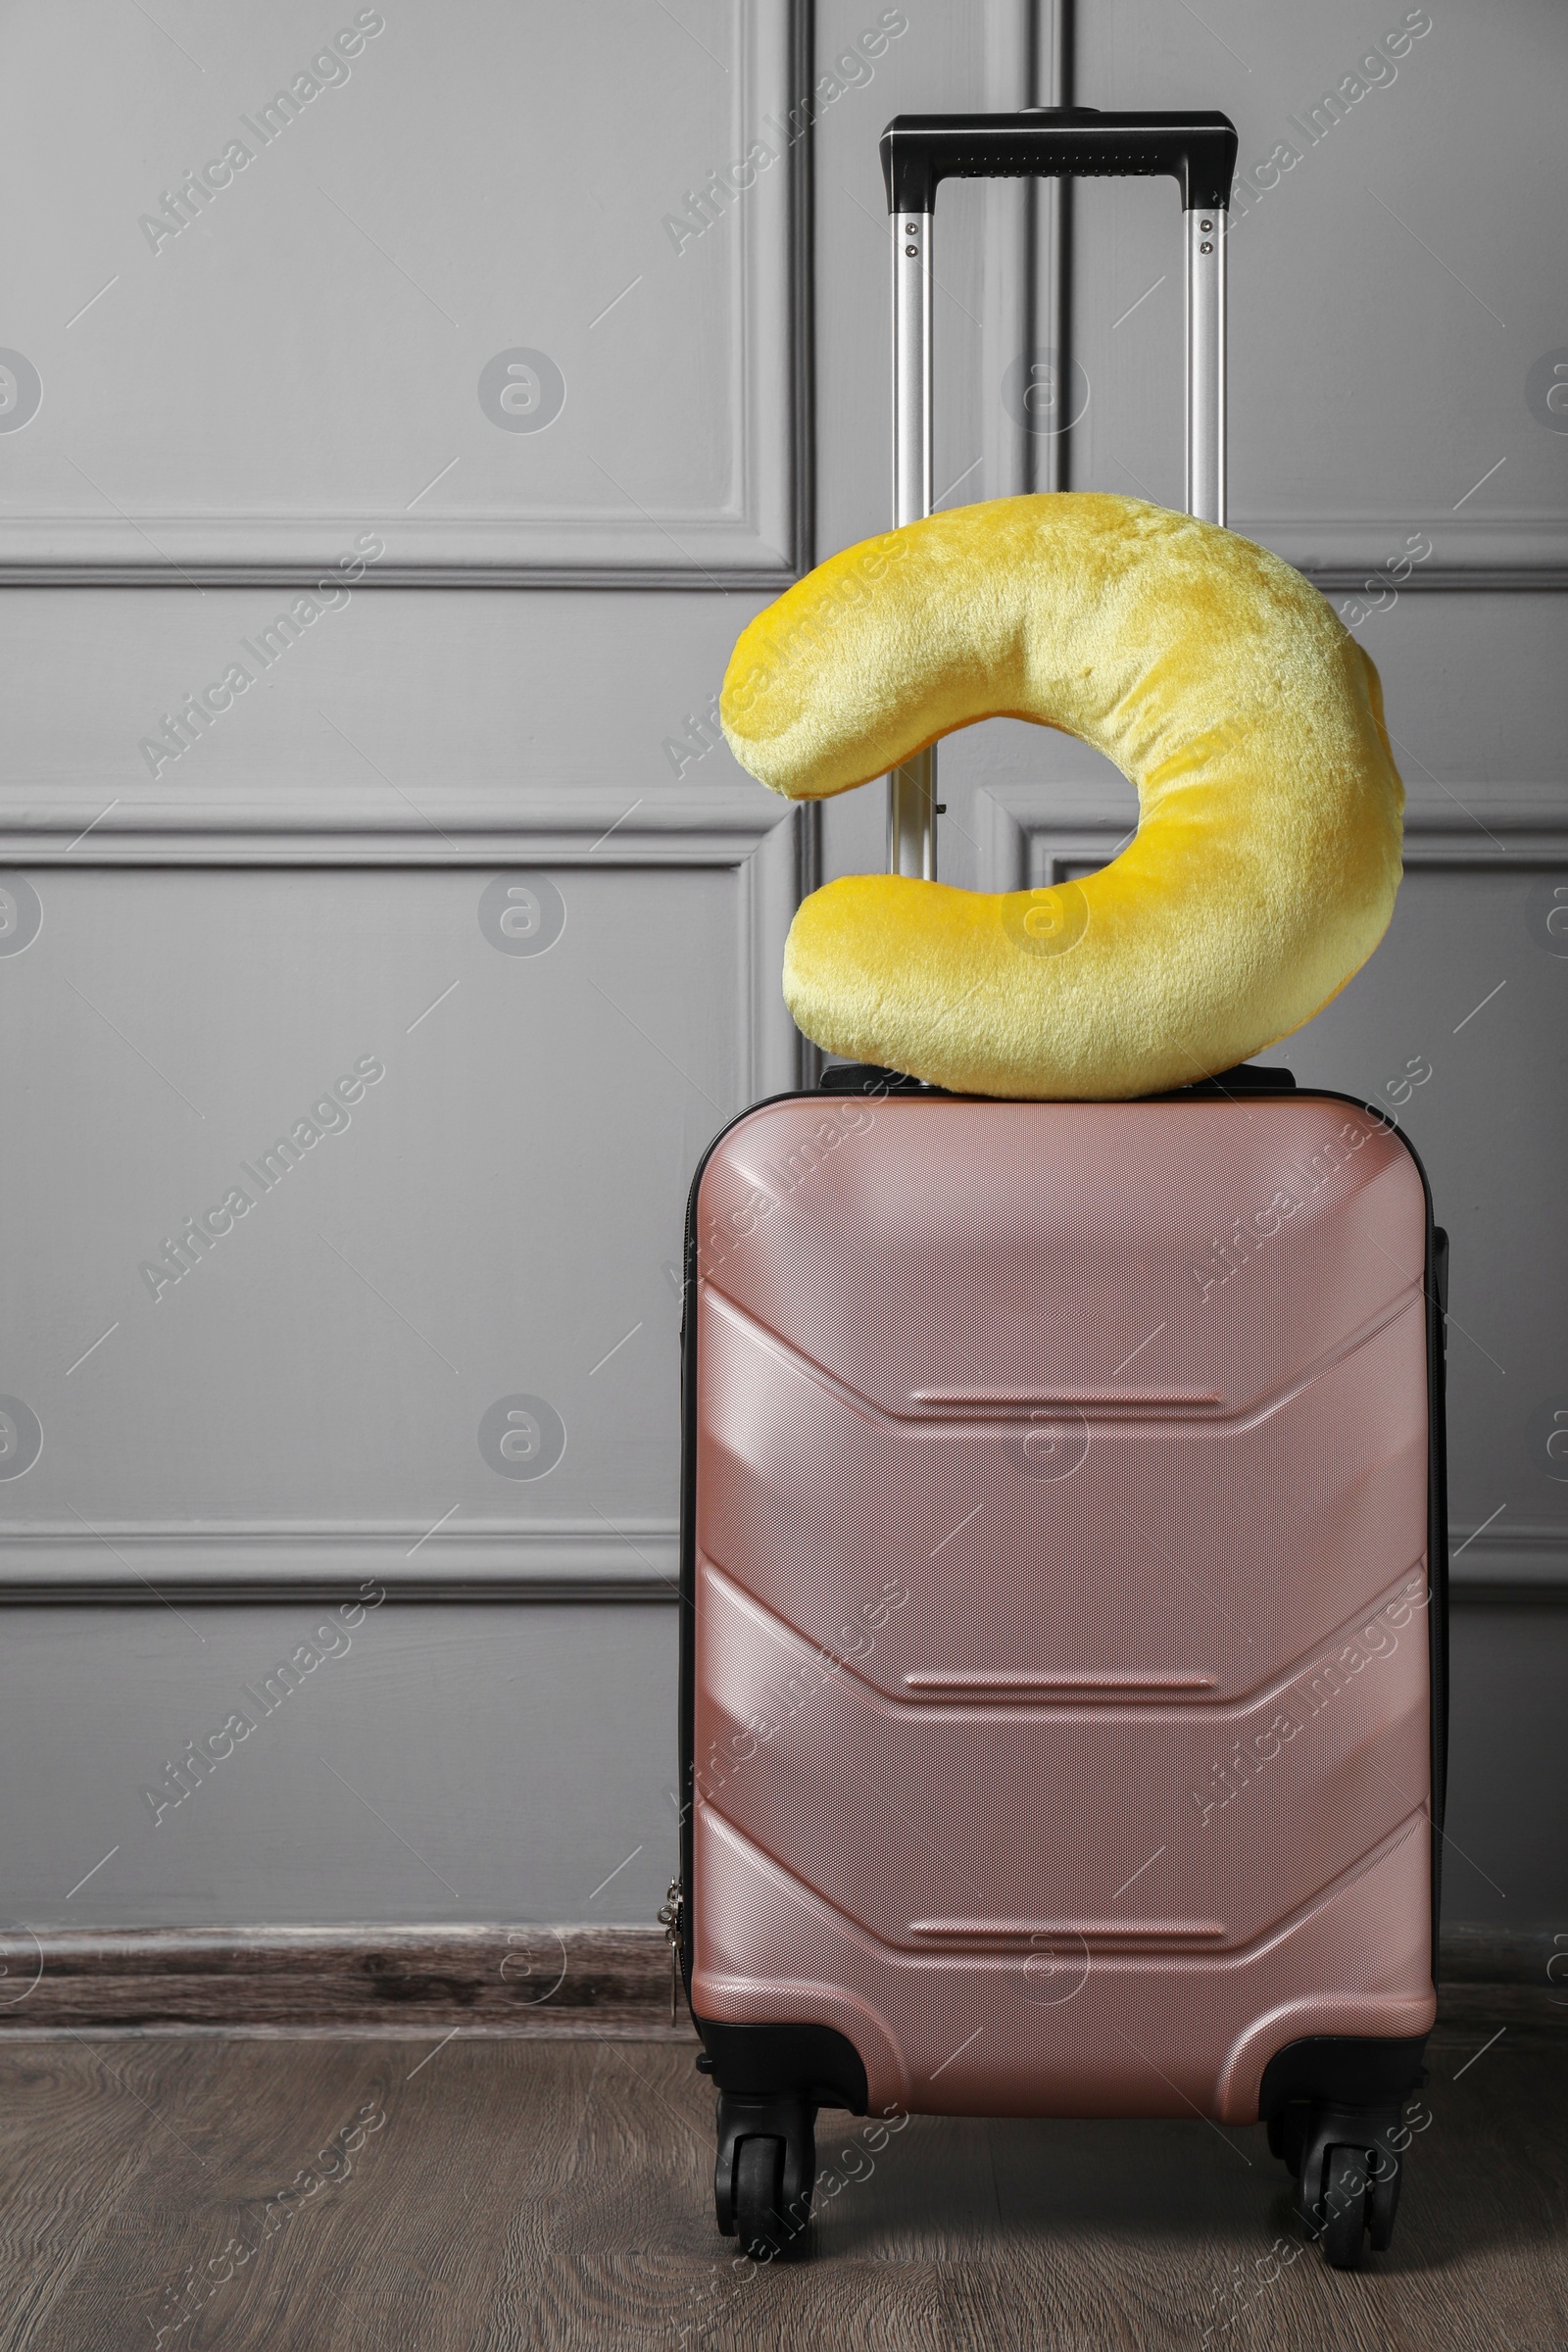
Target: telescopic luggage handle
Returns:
[918, 151]
[1057, 142]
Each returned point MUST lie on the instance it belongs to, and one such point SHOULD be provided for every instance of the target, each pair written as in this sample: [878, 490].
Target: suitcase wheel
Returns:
[764, 2174]
[760, 2197]
[1346, 2199]
[1348, 2179]
[1384, 2202]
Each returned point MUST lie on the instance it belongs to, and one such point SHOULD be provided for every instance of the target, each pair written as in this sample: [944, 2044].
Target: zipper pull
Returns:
[670, 1918]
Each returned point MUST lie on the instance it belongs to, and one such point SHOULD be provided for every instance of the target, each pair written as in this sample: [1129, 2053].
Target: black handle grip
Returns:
[1057, 142]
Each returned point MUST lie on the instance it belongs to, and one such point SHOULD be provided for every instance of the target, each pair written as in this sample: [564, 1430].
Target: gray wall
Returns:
[515, 684]
[484, 1762]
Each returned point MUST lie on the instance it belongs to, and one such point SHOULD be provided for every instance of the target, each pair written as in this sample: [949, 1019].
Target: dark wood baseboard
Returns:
[1492, 1976]
[528, 1981]
[413, 1980]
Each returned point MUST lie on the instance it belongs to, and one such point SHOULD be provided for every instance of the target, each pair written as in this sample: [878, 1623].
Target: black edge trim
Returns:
[763, 2062]
[1344, 2070]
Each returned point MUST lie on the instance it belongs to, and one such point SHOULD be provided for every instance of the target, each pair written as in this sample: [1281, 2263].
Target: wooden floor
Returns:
[504, 2193]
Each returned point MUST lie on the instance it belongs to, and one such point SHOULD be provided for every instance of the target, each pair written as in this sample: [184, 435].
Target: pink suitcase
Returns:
[1062, 1561]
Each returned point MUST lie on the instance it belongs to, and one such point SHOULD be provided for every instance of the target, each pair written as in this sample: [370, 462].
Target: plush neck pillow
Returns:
[1266, 858]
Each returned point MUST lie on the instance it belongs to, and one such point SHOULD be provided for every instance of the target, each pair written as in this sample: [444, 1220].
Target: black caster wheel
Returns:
[1347, 2200]
[763, 2174]
[760, 2197]
[1349, 2175]
[1383, 2204]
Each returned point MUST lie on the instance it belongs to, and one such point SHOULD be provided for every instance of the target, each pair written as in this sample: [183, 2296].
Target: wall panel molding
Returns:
[1521, 1562]
[443, 823]
[679, 453]
[770, 848]
[761, 846]
[1341, 553]
[566, 1560]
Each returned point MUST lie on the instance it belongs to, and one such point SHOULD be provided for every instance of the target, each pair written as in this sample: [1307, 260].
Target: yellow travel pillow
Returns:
[1266, 858]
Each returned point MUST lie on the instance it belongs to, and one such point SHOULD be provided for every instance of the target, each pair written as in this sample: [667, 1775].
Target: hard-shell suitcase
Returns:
[1063, 1546]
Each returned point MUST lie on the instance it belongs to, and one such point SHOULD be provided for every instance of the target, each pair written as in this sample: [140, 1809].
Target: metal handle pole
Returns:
[1205, 362]
[912, 789]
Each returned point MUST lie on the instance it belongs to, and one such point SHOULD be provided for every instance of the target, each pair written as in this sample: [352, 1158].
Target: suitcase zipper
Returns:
[670, 1918]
